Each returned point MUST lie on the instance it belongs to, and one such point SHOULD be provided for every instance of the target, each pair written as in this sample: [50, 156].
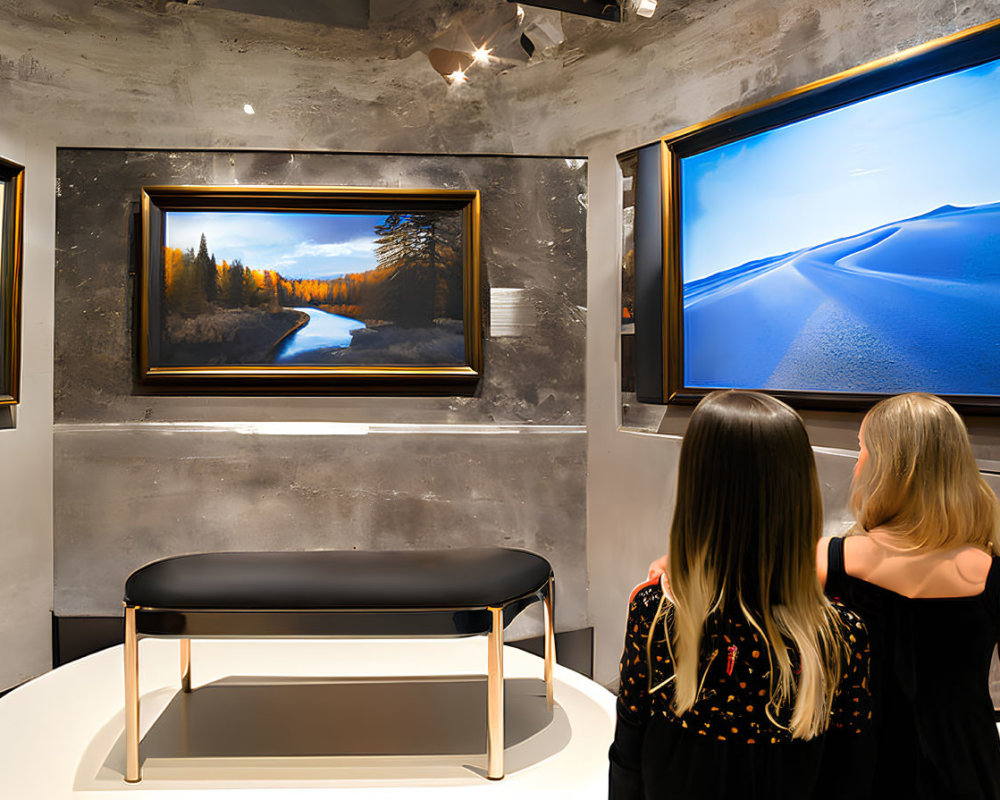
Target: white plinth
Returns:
[269, 719]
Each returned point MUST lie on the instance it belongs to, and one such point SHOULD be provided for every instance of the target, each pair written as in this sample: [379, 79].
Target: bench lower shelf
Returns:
[185, 624]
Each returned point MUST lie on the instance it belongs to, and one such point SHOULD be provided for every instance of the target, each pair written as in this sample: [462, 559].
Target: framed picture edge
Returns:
[11, 275]
[961, 50]
[409, 380]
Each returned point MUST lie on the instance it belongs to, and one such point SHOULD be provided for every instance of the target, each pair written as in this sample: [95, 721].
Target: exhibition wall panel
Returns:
[25, 440]
[139, 476]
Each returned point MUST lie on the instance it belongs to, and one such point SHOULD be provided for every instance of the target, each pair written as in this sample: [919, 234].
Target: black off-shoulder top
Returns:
[934, 728]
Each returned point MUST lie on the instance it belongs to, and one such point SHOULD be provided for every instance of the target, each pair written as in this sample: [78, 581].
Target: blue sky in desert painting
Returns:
[298, 245]
[887, 158]
[855, 251]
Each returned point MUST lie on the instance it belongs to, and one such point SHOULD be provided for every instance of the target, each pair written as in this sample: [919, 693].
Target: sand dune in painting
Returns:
[908, 305]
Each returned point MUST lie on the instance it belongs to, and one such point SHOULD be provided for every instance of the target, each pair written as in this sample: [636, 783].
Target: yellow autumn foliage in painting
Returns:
[172, 261]
[237, 286]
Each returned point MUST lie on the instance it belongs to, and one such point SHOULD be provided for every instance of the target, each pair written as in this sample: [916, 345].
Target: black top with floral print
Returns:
[733, 720]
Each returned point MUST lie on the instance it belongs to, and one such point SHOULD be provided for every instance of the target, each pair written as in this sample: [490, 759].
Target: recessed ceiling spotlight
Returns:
[481, 55]
[248, 109]
[451, 64]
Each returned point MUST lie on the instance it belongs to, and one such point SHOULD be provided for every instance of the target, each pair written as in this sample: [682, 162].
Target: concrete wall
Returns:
[76, 73]
[26, 448]
[688, 65]
[135, 481]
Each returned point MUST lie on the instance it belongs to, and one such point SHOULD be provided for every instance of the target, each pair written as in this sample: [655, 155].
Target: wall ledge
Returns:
[315, 428]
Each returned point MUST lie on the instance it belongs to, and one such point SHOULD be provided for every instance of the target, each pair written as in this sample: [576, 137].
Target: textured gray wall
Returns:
[117, 73]
[429, 472]
[690, 63]
[130, 495]
[26, 449]
[533, 239]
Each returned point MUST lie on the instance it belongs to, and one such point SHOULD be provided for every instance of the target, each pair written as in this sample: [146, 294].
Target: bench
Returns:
[414, 593]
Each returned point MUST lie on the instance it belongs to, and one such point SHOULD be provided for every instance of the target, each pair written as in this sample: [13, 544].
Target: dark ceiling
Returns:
[364, 13]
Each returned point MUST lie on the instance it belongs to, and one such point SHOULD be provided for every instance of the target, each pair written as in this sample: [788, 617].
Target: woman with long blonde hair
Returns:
[745, 681]
[923, 577]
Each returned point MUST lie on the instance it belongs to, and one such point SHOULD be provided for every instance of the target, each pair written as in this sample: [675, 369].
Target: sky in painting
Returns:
[296, 245]
[843, 172]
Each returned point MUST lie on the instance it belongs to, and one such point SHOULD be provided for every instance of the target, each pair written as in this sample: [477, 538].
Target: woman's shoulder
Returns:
[974, 565]
[646, 599]
[650, 588]
[645, 603]
[920, 572]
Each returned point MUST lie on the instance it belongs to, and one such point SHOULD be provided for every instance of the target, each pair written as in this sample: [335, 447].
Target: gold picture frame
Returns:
[11, 262]
[309, 290]
[753, 342]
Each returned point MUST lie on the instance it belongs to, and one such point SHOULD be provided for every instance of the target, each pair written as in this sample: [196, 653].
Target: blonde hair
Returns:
[743, 541]
[920, 479]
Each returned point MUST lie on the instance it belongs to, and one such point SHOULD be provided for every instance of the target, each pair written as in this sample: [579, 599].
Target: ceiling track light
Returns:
[608, 10]
[527, 28]
[644, 8]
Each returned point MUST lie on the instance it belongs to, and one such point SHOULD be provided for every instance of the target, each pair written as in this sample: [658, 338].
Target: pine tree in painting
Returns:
[205, 269]
[419, 249]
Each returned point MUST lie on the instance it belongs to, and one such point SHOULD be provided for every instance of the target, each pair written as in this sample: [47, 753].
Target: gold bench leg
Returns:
[185, 665]
[131, 698]
[494, 690]
[548, 604]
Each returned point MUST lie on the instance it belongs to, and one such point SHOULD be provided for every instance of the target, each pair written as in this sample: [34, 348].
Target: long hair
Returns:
[743, 540]
[920, 479]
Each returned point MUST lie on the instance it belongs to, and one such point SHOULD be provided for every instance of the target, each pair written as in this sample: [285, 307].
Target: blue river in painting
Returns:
[323, 330]
[912, 305]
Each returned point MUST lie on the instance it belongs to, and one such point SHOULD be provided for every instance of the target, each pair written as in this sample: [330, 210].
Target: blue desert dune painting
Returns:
[854, 251]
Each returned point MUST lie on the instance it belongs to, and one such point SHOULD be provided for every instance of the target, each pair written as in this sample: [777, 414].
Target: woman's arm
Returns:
[625, 773]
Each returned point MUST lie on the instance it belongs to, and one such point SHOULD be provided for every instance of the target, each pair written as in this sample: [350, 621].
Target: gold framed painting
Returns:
[309, 290]
[11, 256]
[838, 243]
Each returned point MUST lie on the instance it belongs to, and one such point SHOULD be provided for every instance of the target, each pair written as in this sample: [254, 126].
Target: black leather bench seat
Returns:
[414, 593]
[334, 579]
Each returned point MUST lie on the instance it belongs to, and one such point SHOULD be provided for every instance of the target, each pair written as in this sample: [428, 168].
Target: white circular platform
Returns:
[305, 718]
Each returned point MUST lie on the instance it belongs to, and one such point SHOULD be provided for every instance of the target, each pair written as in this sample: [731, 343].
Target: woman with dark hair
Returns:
[744, 681]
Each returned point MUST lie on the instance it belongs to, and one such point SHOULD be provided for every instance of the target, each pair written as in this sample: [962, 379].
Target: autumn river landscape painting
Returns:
[280, 288]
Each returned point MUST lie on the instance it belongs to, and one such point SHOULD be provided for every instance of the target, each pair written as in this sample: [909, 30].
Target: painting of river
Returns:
[323, 330]
[250, 288]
